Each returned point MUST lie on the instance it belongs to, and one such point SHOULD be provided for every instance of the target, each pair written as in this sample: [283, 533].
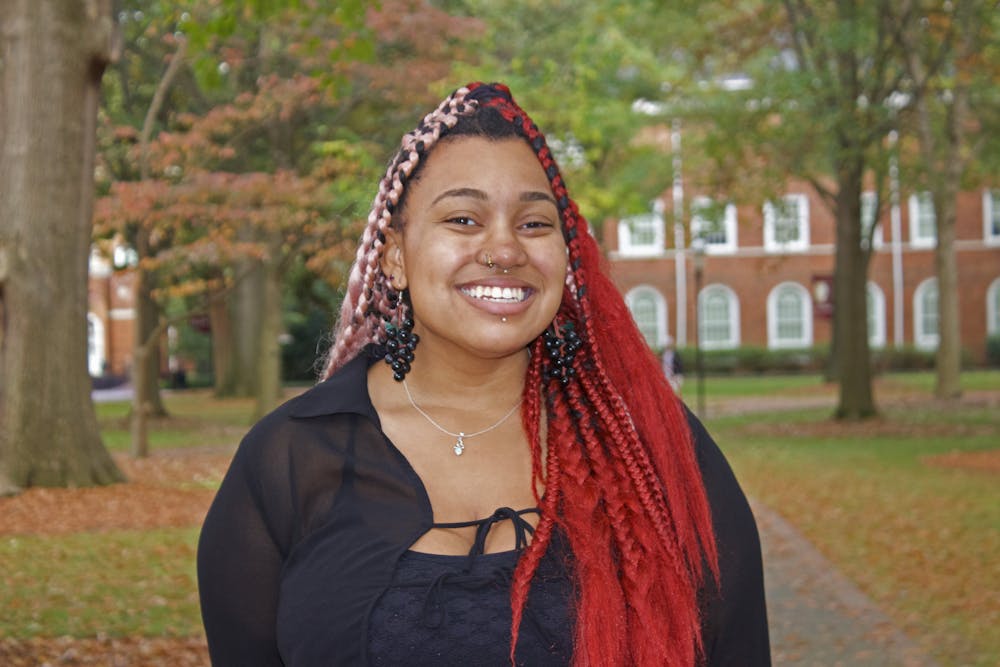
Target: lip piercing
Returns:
[503, 319]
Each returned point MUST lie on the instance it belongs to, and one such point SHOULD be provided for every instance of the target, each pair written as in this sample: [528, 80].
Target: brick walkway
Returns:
[818, 617]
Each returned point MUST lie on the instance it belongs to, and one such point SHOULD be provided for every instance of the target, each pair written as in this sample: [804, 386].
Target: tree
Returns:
[54, 54]
[951, 56]
[822, 88]
[286, 115]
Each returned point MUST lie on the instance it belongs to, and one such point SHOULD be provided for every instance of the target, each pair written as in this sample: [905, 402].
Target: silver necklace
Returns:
[459, 446]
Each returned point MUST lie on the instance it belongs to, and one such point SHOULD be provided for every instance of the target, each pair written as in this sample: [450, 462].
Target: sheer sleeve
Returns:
[734, 619]
[242, 547]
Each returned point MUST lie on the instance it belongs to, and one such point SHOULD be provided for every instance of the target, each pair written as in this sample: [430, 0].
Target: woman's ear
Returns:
[393, 262]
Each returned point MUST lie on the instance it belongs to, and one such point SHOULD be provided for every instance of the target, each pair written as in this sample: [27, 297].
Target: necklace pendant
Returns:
[459, 445]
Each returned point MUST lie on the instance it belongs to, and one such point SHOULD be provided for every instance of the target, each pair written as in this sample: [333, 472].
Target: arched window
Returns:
[719, 318]
[789, 316]
[649, 310]
[925, 314]
[993, 308]
[96, 355]
[876, 315]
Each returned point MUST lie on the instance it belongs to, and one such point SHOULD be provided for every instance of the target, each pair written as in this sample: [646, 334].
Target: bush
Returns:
[993, 350]
[903, 358]
[755, 360]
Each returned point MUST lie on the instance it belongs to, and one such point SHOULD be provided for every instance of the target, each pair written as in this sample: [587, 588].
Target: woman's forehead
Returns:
[475, 163]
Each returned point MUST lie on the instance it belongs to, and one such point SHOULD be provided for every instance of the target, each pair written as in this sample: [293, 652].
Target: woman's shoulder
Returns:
[338, 400]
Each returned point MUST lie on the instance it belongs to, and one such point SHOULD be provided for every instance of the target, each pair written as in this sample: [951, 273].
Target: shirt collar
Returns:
[344, 391]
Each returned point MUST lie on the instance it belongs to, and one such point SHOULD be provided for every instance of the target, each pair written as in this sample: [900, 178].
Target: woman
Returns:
[399, 514]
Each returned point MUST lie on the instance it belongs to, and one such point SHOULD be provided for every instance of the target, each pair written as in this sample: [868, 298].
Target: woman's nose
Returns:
[505, 249]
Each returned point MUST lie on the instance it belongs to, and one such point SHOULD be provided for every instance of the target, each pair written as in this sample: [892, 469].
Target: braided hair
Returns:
[620, 476]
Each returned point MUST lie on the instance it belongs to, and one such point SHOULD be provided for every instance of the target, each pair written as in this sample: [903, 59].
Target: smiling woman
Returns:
[397, 514]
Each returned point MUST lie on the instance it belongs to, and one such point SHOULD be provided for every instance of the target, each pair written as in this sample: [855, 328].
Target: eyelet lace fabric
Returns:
[455, 610]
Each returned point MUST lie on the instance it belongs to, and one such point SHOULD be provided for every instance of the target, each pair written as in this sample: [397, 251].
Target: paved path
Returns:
[818, 617]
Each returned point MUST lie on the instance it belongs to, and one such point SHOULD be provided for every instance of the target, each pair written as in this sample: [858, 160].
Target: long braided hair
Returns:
[620, 476]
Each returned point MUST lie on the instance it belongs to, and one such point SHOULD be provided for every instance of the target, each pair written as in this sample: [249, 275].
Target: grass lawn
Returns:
[907, 506]
[84, 584]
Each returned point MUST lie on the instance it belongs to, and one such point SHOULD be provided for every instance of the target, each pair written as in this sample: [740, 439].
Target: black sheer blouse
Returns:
[314, 519]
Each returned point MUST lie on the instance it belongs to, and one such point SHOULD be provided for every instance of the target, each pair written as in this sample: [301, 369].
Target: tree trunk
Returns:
[221, 330]
[246, 315]
[856, 399]
[147, 319]
[269, 379]
[949, 352]
[54, 53]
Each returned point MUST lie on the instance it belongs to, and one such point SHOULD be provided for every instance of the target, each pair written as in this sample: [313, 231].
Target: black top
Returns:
[318, 509]
[455, 610]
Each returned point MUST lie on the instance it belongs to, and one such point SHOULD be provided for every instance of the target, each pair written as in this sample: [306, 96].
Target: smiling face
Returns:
[478, 201]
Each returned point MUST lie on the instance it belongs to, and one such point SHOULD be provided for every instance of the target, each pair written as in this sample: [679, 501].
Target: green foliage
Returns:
[751, 359]
[578, 68]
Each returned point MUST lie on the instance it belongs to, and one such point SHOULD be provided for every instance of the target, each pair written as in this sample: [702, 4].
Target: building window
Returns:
[95, 345]
[786, 224]
[991, 216]
[869, 218]
[923, 225]
[876, 315]
[719, 318]
[715, 224]
[641, 235]
[789, 316]
[649, 310]
[993, 309]
[925, 314]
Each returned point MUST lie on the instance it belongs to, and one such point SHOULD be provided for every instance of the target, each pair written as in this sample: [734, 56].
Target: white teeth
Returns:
[495, 293]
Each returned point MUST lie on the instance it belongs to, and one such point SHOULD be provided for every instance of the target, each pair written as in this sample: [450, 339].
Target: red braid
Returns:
[630, 498]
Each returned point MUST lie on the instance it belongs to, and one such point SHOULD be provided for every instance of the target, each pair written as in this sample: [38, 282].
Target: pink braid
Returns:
[365, 301]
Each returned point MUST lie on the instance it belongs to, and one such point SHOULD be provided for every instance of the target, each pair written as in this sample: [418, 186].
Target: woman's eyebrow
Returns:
[461, 192]
[531, 195]
[537, 195]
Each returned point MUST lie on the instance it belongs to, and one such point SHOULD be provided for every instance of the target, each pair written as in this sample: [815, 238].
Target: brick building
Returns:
[110, 319]
[767, 272]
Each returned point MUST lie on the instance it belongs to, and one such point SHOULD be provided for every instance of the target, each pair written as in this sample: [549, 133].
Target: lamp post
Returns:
[698, 248]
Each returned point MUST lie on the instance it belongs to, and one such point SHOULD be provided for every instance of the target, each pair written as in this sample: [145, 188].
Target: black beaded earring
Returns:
[561, 345]
[400, 340]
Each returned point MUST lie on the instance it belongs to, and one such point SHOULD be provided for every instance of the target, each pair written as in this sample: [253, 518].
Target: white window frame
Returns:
[921, 338]
[660, 306]
[993, 308]
[771, 244]
[698, 223]
[918, 202]
[96, 352]
[875, 298]
[991, 208]
[733, 303]
[806, 340]
[628, 248]
[869, 201]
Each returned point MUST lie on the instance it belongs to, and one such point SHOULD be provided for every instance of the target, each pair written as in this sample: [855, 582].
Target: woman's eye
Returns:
[462, 220]
[538, 224]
